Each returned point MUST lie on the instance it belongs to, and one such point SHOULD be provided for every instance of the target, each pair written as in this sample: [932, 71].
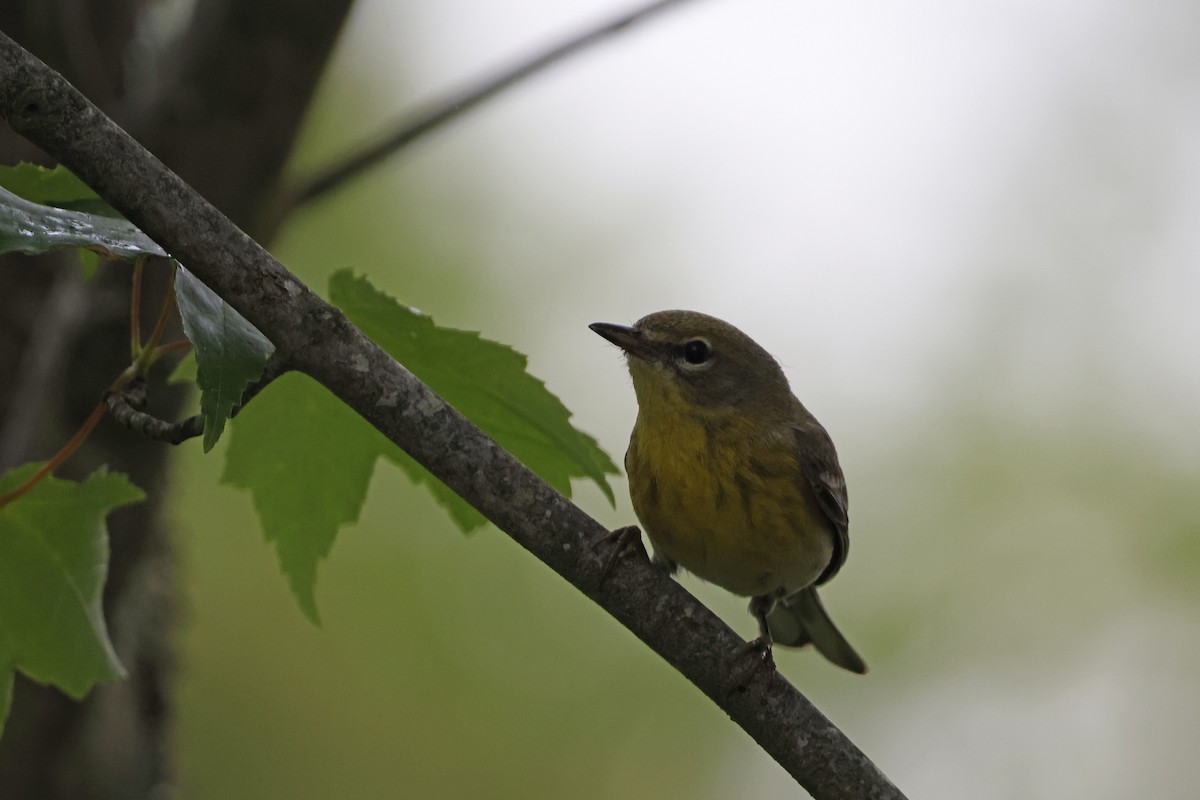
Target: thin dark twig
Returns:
[126, 405]
[446, 109]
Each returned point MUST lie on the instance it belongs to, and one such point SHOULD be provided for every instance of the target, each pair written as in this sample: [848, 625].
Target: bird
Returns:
[732, 478]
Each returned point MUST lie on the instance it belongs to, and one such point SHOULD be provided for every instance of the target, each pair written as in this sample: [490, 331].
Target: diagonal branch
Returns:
[444, 110]
[319, 341]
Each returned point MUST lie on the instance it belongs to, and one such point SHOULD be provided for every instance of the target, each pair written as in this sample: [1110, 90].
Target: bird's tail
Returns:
[801, 619]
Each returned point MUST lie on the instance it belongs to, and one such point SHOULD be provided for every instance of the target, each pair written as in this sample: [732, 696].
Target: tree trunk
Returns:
[221, 107]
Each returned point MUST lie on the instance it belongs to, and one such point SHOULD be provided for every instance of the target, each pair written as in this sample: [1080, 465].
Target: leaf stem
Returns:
[62, 455]
[151, 352]
[177, 346]
[164, 314]
[135, 310]
[75, 442]
[143, 357]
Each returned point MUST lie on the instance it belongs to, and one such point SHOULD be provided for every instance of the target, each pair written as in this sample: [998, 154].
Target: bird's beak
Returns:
[628, 339]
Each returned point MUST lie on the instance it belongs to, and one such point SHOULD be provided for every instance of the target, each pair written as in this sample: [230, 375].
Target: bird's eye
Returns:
[696, 352]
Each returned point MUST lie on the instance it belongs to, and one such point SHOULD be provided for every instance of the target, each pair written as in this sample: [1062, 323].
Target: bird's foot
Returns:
[748, 660]
[622, 542]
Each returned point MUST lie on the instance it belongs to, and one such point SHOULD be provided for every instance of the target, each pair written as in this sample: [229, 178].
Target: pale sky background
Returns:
[847, 182]
[928, 211]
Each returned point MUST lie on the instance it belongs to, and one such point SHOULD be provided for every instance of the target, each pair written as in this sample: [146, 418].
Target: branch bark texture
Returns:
[318, 340]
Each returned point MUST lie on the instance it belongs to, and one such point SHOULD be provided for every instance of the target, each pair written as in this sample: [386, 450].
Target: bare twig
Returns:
[126, 406]
[446, 109]
[322, 343]
[125, 409]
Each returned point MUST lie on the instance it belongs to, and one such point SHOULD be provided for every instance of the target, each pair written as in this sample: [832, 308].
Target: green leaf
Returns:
[461, 512]
[31, 228]
[53, 564]
[55, 186]
[485, 380]
[60, 188]
[306, 458]
[89, 262]
[185, 370]
[230, 352]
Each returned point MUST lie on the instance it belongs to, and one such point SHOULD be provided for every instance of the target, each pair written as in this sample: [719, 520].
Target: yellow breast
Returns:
[725, 501]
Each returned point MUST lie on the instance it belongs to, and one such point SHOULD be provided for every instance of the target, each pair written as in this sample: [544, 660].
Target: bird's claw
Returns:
[748, 659]
[622, 542]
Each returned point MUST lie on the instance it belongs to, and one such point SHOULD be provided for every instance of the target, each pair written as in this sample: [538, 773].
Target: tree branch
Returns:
[319, 341]
[444, 110]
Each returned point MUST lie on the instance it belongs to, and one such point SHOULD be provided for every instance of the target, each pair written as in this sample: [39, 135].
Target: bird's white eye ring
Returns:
[695, 354]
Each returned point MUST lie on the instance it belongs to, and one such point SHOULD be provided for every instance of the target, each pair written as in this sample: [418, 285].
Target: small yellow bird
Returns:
[732, 478]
